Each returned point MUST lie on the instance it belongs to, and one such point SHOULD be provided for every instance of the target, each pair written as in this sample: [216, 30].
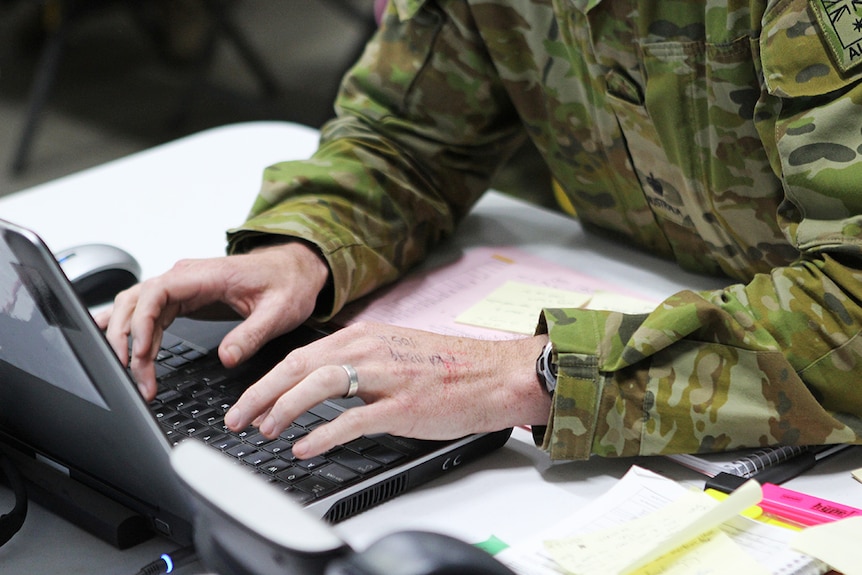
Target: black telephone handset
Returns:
[266, 533]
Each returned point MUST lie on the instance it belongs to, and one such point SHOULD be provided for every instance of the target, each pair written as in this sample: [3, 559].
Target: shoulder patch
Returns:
[840, 25]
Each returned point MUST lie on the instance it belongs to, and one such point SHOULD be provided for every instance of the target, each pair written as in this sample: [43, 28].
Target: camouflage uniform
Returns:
[723, 134]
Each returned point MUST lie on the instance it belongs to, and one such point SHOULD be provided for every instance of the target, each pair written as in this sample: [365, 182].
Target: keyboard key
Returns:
[240, 450]
[275, 466]
[169, 340]
[161, 412]
[226, 443]
[337, 474]
[278, 446]
[257, 439]
[316, 486]
[192, 428]
[258, 458]
[312, 463]
[212, 436]
[306, 419]
[293, 433]
[385, 455]
[162, 371]
[292, 474]
[167, 395]
[191, 407]
[175, 420]
[175, 361]
[361, 445]
[355, 461]
[325, 412]
[180, 349]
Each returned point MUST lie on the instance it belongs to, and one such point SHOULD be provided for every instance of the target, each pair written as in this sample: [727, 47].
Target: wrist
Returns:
[301, 257]
[533, 401]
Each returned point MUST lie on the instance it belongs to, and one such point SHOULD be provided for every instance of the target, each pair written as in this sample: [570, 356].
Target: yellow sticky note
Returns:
[835, 543]
[617, 302]
[682, 535]
[515, 306]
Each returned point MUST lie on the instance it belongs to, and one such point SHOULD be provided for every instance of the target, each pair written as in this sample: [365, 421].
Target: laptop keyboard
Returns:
[195, 393]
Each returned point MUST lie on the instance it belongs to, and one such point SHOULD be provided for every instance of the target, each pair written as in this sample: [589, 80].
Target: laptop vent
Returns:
[367, 498]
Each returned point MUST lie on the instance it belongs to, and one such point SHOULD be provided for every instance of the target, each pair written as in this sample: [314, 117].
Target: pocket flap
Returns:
[809, 48]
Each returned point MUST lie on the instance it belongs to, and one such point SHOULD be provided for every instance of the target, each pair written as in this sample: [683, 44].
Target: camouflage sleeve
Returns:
[422, 124]
[777, 360]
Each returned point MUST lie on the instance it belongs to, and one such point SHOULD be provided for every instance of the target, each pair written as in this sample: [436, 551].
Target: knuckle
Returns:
[182, 265]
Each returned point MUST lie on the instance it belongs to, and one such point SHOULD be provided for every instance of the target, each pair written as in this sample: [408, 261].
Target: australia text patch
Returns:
[840, 23]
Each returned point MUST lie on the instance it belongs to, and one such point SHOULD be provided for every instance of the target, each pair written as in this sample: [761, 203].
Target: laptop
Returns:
[98, 454]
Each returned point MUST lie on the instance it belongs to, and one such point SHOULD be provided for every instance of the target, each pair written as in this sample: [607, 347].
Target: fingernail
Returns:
[267, 426]
[300, 449]
[231, 418]
[234, 353]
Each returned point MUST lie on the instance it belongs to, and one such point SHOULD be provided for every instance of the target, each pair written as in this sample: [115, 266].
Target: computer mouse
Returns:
[98, 272]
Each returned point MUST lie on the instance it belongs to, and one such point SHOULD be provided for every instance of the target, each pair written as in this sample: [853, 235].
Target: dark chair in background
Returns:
[59, 17]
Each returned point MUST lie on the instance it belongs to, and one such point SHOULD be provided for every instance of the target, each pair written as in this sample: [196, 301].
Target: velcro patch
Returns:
[840, 24]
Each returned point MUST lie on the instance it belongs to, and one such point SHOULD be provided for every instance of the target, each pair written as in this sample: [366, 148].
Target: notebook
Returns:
[69, 411]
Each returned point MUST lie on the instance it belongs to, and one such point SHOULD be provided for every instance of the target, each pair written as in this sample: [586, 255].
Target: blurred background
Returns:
[118, 76]
[83, 82]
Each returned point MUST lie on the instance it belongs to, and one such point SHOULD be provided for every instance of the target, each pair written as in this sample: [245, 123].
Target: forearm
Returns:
[764, 363]
[405, 160]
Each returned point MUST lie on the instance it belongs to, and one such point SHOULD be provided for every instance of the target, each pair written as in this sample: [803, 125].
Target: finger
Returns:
[117, 330]
[351, 424]
[242, 342]
[146, 336]
[103, 317]
[260, 397]
[327, 382]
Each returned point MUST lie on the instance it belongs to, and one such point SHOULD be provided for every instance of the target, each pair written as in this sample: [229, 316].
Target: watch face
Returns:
[545, 368]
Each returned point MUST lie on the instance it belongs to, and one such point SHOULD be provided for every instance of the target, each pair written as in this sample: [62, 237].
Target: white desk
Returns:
[176, 201]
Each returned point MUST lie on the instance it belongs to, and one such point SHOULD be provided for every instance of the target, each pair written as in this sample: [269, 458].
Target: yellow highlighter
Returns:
[755, 512]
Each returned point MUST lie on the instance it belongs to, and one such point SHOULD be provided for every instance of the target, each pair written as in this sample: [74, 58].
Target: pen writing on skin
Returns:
[400, 350]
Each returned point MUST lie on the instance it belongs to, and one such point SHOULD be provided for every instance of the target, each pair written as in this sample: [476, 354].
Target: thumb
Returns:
[247, 338]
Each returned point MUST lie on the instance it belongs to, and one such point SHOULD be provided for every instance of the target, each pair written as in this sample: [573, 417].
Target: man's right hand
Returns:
[274, 288]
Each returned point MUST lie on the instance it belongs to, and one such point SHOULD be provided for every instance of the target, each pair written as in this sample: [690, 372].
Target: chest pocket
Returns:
[700, 161]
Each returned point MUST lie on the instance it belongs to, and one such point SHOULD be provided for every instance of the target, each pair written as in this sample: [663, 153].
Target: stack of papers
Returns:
[488, 293]
[650, 525]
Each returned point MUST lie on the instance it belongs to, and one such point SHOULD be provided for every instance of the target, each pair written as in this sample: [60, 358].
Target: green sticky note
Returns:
[492, 545]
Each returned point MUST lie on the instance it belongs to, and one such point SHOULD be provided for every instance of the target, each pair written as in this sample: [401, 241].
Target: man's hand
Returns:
[273, 288]
[414, 384]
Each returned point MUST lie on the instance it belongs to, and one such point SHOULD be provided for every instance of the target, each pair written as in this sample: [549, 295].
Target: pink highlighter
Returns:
[802, 509]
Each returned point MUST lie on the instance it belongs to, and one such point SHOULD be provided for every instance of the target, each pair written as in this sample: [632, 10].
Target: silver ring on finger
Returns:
[352, 381]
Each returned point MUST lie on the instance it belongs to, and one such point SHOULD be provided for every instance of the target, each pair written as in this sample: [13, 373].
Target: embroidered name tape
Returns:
[840, 24]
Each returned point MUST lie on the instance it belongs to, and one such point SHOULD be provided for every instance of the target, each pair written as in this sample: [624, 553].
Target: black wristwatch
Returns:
[546, 369]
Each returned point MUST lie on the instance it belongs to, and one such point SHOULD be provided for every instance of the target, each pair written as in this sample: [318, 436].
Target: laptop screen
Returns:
[33, 328]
